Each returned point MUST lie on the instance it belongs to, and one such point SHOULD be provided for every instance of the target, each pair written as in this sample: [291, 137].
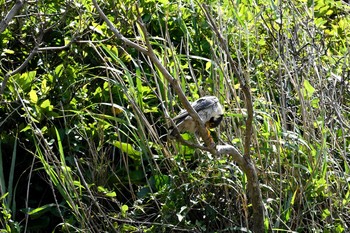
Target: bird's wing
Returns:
[198, 105]
[203, 103]
[182, 115]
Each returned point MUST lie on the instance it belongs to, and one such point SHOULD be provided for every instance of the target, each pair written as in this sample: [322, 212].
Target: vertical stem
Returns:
[253, 186]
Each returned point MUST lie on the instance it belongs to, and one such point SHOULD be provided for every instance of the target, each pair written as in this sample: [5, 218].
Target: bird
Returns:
[209, 110]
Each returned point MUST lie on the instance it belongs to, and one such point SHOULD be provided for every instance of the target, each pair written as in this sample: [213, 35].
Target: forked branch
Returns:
[248, 166]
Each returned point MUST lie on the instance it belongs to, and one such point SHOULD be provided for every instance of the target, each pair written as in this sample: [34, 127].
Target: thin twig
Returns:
[93, 198]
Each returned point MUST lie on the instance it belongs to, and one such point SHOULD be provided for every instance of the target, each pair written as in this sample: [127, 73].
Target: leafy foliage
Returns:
[81, 124]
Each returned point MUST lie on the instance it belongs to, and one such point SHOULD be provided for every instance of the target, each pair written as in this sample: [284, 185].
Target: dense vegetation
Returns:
[83, 116]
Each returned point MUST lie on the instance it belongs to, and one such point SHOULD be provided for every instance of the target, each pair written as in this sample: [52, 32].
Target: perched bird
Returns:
[209, 110]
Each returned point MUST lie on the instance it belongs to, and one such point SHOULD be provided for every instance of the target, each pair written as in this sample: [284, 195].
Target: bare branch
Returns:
[175, 85]
[56, 47]
[233, 151]
[36, 50]
[21, 67]
[12, 13]
[223, 43]
[247, 165]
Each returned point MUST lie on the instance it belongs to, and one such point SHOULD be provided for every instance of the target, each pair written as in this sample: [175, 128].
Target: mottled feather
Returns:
[209, 110]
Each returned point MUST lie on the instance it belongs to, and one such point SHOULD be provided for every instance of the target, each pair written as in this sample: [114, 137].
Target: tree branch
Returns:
[35, 50]
[12, 13]
[116, 31]
[21, 67]
[233, 151]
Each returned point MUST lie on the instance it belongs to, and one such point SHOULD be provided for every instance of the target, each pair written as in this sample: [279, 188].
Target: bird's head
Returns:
[215, 121]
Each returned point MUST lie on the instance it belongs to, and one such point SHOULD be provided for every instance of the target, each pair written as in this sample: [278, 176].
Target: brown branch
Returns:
[116, 31]
[175, 85]
[242, 80]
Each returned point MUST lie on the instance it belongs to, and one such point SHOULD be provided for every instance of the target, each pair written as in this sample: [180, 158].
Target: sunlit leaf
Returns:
[111, 194]
[8, 51]
[208, 65]
[96, 28]
[37, 212]
[44, 87]
[26, 128]
[33, 97]
[46, 105]
[309, 88]
[181, 216]
[129, 149]
[25, 80]
[124, 209]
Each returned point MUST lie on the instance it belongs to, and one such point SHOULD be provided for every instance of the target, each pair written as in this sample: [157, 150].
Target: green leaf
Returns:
[315, 103]
[106, 192]
[59, 70]
[101, 189]
[25, 128]
[44, 87]
[25, 80]
[8, 51]
[37, 212]
[308, 88]
[46, 105]
[129, 149]
[78, 184]
[111, 194]
[325, 213]
[208, 65]
[33, 97]
[97, 28]
[159, 181]
[124, 209]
